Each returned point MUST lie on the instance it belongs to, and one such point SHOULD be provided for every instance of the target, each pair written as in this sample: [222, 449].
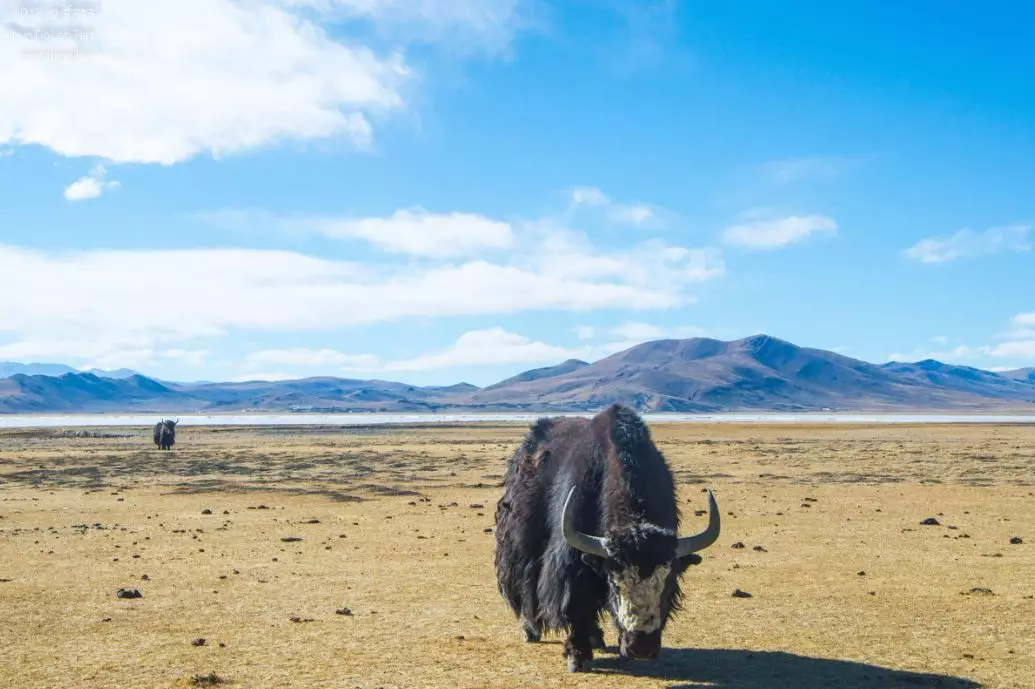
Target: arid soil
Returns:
[330, 557]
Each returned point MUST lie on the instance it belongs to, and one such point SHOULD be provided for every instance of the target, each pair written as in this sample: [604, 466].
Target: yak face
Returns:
[642, 572]
[642, 564]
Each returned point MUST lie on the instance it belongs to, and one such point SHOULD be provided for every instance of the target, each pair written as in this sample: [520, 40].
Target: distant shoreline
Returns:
[279, 419]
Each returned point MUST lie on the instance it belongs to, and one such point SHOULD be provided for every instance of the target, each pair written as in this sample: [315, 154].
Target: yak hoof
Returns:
[533, 633]
[578, 659]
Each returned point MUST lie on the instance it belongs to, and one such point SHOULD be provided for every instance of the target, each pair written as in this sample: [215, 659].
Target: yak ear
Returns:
[594, 562]
[686, 561]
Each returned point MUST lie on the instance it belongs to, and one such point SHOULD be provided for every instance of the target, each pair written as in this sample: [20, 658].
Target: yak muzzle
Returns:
[640, 646]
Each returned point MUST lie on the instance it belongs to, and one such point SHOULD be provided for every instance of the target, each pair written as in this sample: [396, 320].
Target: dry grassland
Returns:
[849, 590]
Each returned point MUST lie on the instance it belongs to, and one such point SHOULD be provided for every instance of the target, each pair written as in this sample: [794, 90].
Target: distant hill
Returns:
[116, 373]
[1023, 374]
[758, 373]
[84, 392]
[10, 368]
[540, 374]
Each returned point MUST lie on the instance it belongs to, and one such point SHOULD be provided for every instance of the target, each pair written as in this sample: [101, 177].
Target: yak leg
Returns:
[581, 616]
[533, 630]
[530, 604]
[596, 639]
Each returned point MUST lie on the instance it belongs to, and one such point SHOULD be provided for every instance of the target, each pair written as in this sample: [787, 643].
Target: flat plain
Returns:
[363, 557]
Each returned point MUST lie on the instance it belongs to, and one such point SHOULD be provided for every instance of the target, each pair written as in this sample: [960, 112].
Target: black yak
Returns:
[165, 434]
[574, 478]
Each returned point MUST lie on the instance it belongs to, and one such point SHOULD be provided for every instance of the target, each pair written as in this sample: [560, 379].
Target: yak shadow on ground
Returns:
[740, 669]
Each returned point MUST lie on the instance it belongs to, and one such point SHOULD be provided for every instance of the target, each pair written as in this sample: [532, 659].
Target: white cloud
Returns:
[111, 351]
[420, 233]
[1019, 347]
[588, 196]
[312, 357]
[774, 234]
[544, 247]
[969, 244]
[569, 255]
[161, 82]
[1024, 349]
[486, 348]
[148, 81]
[114, 302]
[90, 186]
[1022, 328]
[1024, 319]
[618, 213]
[940, 340]
[90, 304]
[1017, 334]
[586, 332]
[955, 355]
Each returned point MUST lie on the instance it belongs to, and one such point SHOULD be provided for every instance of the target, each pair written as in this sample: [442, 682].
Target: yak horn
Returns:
[592, 545]
[691, 544]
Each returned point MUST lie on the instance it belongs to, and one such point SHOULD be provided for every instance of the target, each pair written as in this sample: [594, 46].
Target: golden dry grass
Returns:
[401, 541]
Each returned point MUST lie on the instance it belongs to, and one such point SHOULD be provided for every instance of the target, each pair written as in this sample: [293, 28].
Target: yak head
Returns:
[642, 563]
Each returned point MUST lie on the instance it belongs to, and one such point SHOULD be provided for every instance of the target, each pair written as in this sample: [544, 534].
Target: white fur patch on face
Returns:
[639, 600]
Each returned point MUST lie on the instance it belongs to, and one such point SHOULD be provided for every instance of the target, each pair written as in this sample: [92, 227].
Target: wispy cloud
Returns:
[958, 354]
[420, 233]
[615, 212]
[82, 299]
[312, 358]
[491, 347]
[1024, 319]
[1018, 345]
[969, 244]
[778, 233]
[90, 186]
[805, 169]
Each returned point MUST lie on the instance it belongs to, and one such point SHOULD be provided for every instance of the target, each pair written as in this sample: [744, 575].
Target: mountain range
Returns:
[758, 373]
[11, 368]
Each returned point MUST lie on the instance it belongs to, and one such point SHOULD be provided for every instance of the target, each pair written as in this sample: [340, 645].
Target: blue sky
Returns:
[446, 190]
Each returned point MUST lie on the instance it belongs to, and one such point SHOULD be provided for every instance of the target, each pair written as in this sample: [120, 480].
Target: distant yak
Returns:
[165, 434]
[573, 478]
